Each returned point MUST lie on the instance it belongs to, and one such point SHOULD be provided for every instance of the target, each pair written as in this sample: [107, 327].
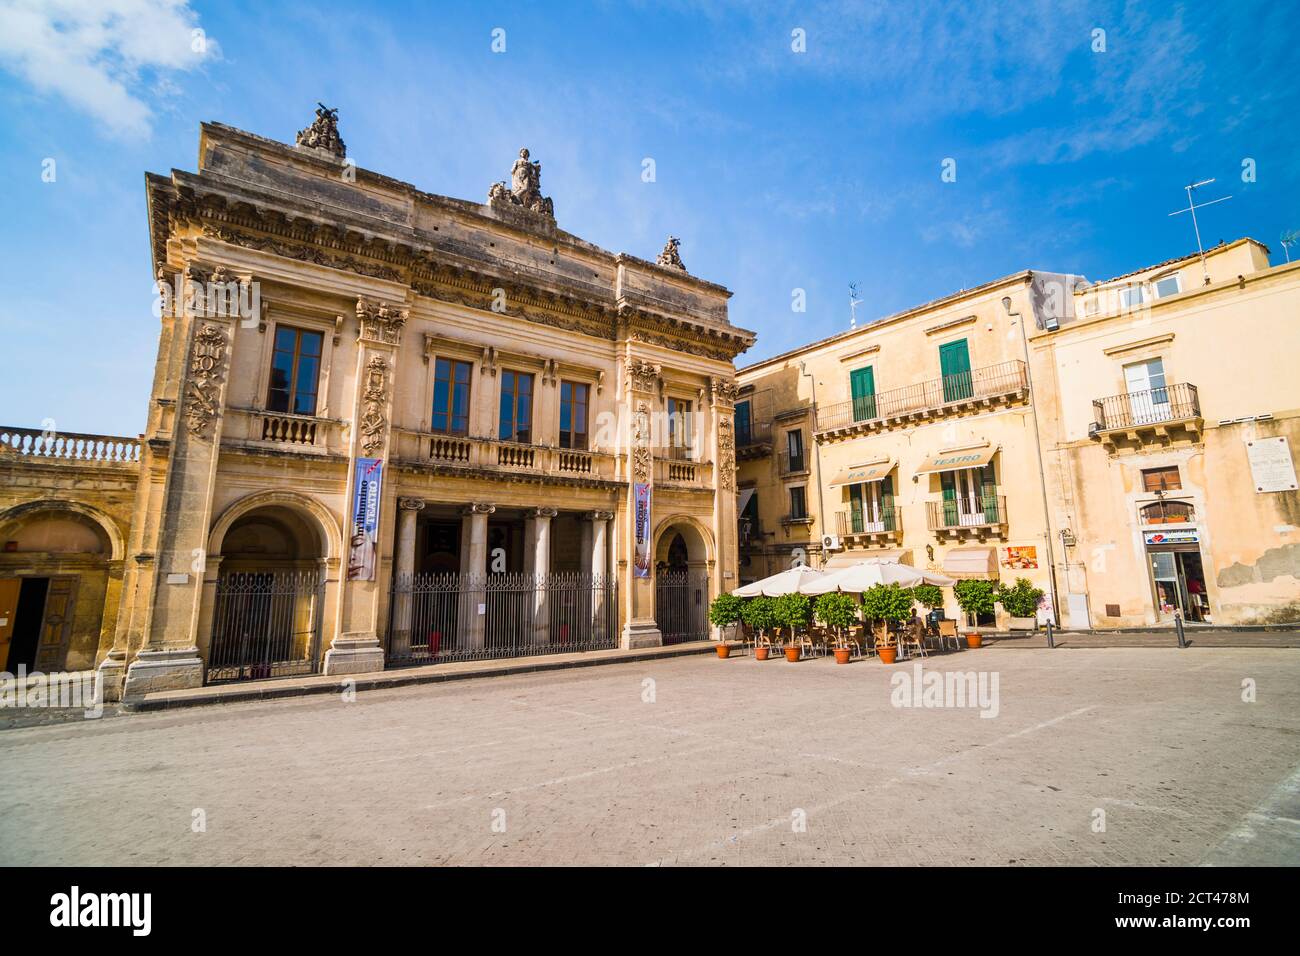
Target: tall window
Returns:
[794, 449]
[573, 414]
[451, 397]
[295, 371]
[516, 422]
[744, 428]
[798, 503]
[954, 366]
[680, 428]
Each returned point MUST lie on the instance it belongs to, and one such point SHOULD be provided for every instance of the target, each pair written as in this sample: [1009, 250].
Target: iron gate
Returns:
[454, 617]
[682, 606]
[265, 624]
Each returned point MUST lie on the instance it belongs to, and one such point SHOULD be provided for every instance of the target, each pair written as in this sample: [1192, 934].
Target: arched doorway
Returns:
[266, 619]
[682, 582]
[60, 577]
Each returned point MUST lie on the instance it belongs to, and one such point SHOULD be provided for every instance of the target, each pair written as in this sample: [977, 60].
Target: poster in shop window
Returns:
[364, 545]
[641, 492]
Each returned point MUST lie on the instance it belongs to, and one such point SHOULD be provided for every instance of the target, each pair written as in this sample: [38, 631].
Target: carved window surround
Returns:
[327, 326]
[952, 324]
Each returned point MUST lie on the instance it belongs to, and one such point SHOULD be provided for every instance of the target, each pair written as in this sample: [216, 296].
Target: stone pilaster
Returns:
[641, 386]
[724, 575]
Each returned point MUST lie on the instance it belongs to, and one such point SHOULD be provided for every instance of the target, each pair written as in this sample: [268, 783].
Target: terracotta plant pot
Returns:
[974, 640]
[887, 654]
[792, 654]
[760, 653]
[724, 651]
[842, 655]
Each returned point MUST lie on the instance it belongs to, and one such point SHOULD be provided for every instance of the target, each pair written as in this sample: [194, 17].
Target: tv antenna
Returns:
[1289, 239]
[854, 302]
[1192, 206]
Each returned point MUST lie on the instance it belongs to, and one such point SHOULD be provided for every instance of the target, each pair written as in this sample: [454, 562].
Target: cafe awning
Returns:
[857, 474]
[958, 460]
[845, 558]
[971, 563]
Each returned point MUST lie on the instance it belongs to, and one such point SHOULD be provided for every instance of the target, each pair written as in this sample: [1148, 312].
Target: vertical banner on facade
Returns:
[641, 493]
[365, 520]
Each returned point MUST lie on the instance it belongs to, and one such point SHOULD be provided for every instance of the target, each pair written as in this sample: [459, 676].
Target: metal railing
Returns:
[67, 446]
[793, 464]
[853, 521]
[1148, 407]
[458, 617]
[993, 381]
[983, 512]
[753, 434]
[265, 624]
[682, 605]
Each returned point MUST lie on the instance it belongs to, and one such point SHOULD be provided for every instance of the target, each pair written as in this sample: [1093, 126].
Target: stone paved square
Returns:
[716, 769]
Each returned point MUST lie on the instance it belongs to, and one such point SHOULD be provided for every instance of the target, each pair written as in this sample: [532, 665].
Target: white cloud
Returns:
[93, 53]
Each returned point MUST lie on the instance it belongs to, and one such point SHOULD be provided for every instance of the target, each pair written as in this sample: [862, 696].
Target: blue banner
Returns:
[364, 547]
[641, 496]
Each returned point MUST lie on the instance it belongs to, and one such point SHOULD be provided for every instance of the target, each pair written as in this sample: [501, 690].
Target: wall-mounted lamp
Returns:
[929, 551]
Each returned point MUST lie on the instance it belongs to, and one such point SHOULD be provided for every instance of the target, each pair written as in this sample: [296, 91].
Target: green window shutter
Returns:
[989, 494]
[887, 503]
[855, 508]
[862, 384]
[954, 366]
[949, 482]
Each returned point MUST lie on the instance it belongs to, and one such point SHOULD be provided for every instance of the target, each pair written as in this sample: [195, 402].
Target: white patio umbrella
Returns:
[856, 578]
[934, 577]
[791, 581]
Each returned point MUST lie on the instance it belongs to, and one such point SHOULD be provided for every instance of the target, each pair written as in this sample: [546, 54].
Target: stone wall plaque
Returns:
[1271, 466]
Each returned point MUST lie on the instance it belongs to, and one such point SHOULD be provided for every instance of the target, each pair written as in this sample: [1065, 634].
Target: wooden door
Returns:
[9, 588]
[56, 624]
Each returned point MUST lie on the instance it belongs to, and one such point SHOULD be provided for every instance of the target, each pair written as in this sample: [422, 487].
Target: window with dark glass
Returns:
[794, 449]
[295, 371]
[744, 433]
[516, 420]
[798, 502]
[573, 414]
[451, 397]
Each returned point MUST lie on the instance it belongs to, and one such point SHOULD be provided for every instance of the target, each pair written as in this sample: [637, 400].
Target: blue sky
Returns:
[780, 170]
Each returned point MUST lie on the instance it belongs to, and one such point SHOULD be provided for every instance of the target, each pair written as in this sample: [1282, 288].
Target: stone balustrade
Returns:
[73, 447]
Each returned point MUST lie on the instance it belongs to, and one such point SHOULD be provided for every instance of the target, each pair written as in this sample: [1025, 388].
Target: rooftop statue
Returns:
[323, 133]
[525, 187]
[670, 256]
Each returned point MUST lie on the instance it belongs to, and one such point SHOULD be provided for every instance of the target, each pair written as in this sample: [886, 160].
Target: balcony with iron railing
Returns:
[1153, 414]
[885, 523]
[935, 398]
[980, 517]
[67, 448]
[792, 464]
[753, 440]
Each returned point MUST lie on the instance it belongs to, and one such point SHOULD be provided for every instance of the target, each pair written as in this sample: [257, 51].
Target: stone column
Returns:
[473, 573]
[399, 639]
[169, 656]
[641, 385]
[537, 562]
[597, 538]
[725, 566]
[355, 647]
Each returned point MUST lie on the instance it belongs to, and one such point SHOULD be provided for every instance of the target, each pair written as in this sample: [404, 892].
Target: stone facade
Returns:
[345, 299]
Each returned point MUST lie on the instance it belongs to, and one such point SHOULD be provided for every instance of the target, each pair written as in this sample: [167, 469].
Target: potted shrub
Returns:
[1021, 602]
[839, 612]
[888, 604]
[759, 615]
[792, 611]
[929, 596]
[725, 612]
[975, 598]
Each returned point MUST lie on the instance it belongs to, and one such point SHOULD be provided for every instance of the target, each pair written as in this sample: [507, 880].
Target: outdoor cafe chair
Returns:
[948, 630]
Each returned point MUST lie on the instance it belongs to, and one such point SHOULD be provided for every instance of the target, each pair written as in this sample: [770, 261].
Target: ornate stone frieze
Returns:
[726, 455]
[323, 133]
[524, 189]
[374, 406]
[643, 376]
[203, 387]
[301, 252]
[725, 391]
[641, 456]
[671, 256]
[380, 323]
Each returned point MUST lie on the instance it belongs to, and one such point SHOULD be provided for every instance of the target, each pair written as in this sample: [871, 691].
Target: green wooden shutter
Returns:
[862, 384]
[887, 503]
[855, 508]
[949, 482]
[954, 366]
[989, 494]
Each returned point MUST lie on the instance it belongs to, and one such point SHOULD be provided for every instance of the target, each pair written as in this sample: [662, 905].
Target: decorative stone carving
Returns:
[302, 253]
[543, 511]
[525, 188]
[670, 256]
[726, 455]
[410, 504]
[643, 376]
[641, 457]
[379, 323]
[207, 364]
[600, 515]
[323, 133]
[374, 401]
[478, 508]
[725, 390]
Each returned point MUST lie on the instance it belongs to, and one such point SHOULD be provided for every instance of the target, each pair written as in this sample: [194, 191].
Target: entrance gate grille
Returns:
[681, 605]
[265, 624]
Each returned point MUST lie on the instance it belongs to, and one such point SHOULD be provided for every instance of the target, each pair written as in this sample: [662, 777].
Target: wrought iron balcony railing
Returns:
[793, 464]
[854, 521]
[984, 512]
[752, 434]
[981, 384]
[1152, 406]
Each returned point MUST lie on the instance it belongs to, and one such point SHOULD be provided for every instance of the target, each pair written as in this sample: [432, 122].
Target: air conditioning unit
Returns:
[831, 542]
[1093, 429]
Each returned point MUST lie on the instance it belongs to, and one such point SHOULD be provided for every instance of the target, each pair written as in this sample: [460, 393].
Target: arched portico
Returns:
[683, 562]
[60, 584]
